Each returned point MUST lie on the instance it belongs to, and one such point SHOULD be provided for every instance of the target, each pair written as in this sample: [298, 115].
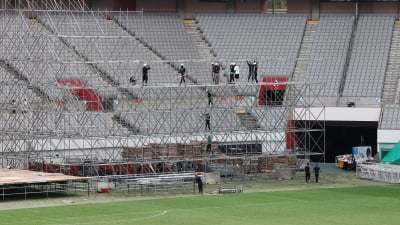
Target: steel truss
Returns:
[71, 112]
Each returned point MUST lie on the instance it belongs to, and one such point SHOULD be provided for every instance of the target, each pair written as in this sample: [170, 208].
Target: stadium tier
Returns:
[42, 125]
[187, 122]
[271, 117]
[73, 69]
[104, 54]
[12, 87]
[369, 56]
[42, 57]
[165, 34]
[112, 49]
[328, 55]
[272, 40]
[391, 117]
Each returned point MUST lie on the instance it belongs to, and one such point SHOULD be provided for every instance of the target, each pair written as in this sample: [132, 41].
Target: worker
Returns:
[316, 172]
[197, 179]
[307, 172]
[232, 72]
[145, 74]
[182, 73]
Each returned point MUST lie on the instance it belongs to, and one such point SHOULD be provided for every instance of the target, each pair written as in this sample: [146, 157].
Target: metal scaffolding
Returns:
[72, 109]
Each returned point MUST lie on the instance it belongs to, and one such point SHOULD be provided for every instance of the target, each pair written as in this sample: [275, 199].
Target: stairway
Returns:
[303, 57]
[20, 77]
[205, 51]
[393, 68]
[125, 124]
[247, 120]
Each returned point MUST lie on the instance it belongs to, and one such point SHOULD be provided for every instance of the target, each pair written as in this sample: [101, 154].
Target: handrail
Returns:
[347, 62]
[387, 65]
[297, 58]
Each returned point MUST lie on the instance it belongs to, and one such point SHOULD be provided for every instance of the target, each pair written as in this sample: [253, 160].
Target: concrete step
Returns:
[304, 55]
[393, 67]
[203, 48]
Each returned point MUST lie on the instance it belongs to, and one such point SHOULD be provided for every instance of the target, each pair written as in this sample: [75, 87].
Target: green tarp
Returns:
[393, 156]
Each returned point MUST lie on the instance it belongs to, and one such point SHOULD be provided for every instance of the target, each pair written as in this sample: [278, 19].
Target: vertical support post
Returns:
[357, 9]
[180, 8]
[142, 26]
[264, 6]
[315, 9]
[231, 6]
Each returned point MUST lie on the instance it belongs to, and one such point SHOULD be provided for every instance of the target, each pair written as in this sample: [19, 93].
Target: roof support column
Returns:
[315, 9]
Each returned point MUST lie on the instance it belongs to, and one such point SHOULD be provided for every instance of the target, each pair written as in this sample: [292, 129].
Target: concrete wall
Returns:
[379, 7]
[386, 140]
[337, 7]
[156, 5]
[124, 5]
[101, 5]
[248, 6]
[196, 6]
[299, 6]
[338, 114]
[133, 5]
[388, 136]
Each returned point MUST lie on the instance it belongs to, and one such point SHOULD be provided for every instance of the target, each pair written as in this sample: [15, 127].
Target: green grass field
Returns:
[345, 205]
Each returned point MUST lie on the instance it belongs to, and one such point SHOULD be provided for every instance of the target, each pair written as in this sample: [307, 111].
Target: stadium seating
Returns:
[369, 56]
[271, 118]
[165, 34]
[41, 58]
[272, 40]
[111, 48]
[328, 54]
[182, 121]
[14, 91]
[103, 55]
[390, 117]
[44, 124]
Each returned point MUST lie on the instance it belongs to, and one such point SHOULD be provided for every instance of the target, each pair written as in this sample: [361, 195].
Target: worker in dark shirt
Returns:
[316, 172]
[216, 70]
[250, 64]
[232, 73]
[207, 118]
[307, 171]
[210, 98]
[197, 179]
[145, 74]
[255, 68]
[182, 73]
[209, 143]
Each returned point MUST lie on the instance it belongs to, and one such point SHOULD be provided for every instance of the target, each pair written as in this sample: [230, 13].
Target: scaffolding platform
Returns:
[24, 182]
[83, 117]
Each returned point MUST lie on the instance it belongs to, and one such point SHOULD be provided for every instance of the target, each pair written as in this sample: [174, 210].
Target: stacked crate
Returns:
[182, 150]
[135, 153]
[171, 150]
[266, 163]
[197, 148]
[158, 151]
[230, 161]
[251, 165]
[193, 148]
